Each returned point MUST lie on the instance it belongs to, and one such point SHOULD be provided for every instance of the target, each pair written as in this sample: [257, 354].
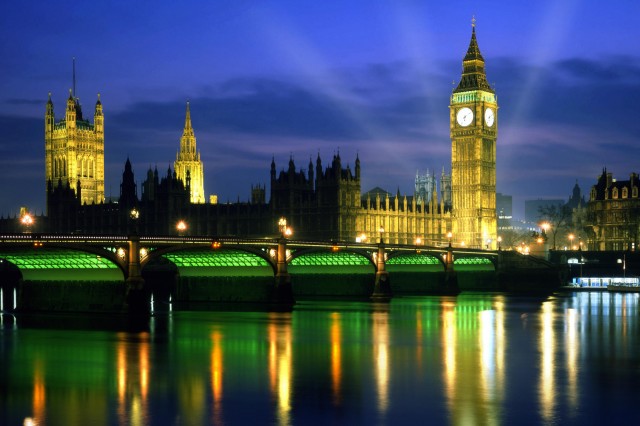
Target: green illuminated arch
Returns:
[330, 262]
[413, 259]
[60, 264]
[473, 263]
[227, 262]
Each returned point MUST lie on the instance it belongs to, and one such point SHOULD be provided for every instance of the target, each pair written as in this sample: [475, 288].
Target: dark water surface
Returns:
[570, 359]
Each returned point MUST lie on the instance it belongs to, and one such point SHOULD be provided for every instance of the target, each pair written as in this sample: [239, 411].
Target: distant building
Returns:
[504, 207]
[532, 208]
[613, 213]
[426, 188]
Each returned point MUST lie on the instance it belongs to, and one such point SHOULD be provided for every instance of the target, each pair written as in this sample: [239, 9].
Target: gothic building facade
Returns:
[74, 150]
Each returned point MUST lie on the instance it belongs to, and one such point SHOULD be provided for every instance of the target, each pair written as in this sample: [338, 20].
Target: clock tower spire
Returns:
[473, 127]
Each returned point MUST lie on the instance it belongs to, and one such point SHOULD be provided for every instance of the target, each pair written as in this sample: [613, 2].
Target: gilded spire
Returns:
[188, 130]
[473, 74]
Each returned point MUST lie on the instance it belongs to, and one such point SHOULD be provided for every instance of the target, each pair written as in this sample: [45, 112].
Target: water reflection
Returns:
[280, 364]
[476, 359]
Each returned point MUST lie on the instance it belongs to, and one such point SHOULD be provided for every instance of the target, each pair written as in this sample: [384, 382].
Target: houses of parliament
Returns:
[324, 201]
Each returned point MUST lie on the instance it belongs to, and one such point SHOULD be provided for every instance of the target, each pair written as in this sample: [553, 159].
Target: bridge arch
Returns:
[65, 262]
[416, 258]
[312, 257]
[196, 260]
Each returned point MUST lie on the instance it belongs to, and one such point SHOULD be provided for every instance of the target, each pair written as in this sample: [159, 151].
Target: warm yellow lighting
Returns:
[135, 214]
[449, 235]
[27, 220]
[545, 226]
[181, 226]
[288, 232]
[215, 245]
[418, 241]
[539, 240]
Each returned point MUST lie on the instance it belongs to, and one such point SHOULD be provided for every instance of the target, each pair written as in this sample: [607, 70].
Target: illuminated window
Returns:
[614, 193]
[625, 192]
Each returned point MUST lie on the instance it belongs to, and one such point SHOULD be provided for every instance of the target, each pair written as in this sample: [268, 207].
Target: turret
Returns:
[49, 118]
[310, 171]
[273, 169]
[357, 167]
[70, 115]
[98, 117]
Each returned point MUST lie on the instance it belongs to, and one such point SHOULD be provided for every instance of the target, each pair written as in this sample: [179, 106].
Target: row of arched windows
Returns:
[86, 167]
[59, 167]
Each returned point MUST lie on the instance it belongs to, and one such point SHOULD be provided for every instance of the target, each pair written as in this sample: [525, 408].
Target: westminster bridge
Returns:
[142, 273]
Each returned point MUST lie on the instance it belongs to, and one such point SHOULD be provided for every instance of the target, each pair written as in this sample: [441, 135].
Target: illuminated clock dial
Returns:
[489, 117]
[464, 116]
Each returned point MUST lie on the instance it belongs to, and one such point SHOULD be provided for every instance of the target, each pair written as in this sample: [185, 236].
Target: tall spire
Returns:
[188, 130]
[473, 73]
[74, 78]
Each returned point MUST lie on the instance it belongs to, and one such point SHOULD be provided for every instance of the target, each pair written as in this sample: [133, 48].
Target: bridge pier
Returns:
[450, 286]
[282, 292]
[382, 286]
[137, 298]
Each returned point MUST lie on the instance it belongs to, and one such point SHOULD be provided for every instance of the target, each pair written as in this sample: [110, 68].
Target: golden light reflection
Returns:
[571, 349]
[547, 390]
[280, 365]
[336, 358]
[122, 378]
[216, 375]
[144, 367]
[419, 342]
[381, 358]
[449, 347]
[39, 394]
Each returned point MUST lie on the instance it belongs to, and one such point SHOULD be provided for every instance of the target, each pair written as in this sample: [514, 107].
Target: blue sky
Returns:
[278, 78]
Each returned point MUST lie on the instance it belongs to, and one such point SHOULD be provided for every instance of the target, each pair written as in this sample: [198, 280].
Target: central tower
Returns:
[473, 123]
[188, 166]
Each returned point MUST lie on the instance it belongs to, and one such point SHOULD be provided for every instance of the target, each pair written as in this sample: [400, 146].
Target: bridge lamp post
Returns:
[449, 236]
[181, 227]
[27, 221]
[499, 243]
[134, 215]
[571, 237]
[381, 231]
[361, 238]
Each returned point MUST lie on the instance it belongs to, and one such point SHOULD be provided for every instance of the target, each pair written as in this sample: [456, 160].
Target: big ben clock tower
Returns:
[473, 121]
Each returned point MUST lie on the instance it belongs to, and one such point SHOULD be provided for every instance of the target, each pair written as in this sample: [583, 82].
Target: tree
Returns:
[558, 217]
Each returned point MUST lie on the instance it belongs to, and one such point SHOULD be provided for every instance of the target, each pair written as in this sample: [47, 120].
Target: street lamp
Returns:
[181, 227]
[545, 228]
[381, 230]
[571, 237]
[418, 241]
[27, 221]
[449, 236]
[361, 238]
[499, 243]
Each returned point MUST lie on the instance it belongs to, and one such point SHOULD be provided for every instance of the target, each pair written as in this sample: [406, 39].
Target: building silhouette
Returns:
[320, 202]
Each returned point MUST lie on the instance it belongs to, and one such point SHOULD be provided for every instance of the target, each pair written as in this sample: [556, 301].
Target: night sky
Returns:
[296, 77]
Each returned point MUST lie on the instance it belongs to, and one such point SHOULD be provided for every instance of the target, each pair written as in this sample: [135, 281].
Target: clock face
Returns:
[464, 116]
[489, 117]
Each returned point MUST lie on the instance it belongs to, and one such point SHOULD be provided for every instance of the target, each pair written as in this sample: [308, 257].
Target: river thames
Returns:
[487, 359]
